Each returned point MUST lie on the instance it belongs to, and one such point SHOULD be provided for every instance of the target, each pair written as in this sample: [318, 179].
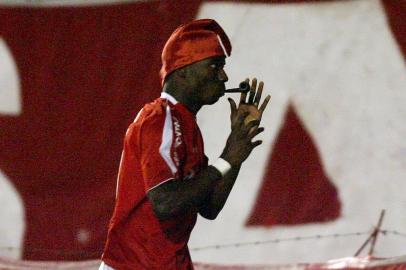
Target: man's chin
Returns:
[217, 98]
[213, 99]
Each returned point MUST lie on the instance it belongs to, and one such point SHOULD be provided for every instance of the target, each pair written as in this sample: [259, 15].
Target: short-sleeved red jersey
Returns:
[163, 144]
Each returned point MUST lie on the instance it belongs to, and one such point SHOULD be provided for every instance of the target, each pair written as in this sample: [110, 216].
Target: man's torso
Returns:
[163, 143]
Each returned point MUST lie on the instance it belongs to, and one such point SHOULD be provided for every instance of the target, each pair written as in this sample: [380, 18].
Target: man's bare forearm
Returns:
[218, 197]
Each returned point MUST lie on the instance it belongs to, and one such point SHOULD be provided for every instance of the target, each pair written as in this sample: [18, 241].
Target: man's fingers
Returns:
[243, 97]
[256, 143]
[233, 106]
[242, 116]
[252, 91]
[265, 103]
[252, 124]
[255, 132]
[259, 94]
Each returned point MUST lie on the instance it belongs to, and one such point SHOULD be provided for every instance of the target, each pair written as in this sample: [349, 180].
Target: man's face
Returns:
[207, 79]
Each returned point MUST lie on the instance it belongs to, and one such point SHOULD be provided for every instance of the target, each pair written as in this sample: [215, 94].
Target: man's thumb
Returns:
[233, 106]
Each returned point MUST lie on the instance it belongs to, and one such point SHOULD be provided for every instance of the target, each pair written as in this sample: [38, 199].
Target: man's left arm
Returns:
[218, 197]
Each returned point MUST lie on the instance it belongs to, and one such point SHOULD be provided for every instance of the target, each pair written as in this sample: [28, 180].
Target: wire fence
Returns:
[219, 246]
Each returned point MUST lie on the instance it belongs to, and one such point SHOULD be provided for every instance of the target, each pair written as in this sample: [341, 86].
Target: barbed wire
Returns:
[219, 246]
[279, 240]
[393, 232]
[297, 238]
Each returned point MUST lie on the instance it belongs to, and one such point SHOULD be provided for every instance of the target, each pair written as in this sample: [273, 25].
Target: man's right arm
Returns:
[179, 197]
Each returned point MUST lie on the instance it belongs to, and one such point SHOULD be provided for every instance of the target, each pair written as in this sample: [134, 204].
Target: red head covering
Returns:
[193, 42]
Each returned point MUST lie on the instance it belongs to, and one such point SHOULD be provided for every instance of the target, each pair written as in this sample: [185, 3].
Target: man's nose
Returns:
[223, 76]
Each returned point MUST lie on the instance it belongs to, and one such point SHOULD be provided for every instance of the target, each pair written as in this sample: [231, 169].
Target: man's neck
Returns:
[181, 96]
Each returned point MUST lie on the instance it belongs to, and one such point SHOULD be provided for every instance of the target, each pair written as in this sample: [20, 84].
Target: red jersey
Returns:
[163, 144]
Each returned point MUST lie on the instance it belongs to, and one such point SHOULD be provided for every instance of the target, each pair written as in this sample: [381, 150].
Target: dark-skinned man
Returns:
[164, 179]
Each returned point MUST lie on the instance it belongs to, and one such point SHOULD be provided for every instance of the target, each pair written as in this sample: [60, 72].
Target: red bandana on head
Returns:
[193, 42]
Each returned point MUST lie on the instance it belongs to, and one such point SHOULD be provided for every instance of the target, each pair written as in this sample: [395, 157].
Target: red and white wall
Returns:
[73, 76]
[337, 66]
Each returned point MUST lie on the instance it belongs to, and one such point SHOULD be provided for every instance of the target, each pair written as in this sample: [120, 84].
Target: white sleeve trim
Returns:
[163, 182]
[167, 139]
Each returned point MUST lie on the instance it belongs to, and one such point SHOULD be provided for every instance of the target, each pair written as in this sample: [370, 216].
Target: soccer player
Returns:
[164, 179]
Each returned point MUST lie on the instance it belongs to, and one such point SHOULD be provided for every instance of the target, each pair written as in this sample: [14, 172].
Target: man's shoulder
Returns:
[151, 114]
[153, 111]
[156, 107]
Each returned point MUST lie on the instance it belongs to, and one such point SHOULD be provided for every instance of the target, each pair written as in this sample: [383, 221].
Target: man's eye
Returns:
[216, 66]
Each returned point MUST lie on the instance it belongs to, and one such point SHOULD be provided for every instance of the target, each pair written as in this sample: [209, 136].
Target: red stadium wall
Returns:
[85, 72]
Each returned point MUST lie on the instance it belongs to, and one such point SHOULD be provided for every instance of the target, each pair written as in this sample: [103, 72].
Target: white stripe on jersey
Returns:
[119, 169]
[138, 115]
[167, 138]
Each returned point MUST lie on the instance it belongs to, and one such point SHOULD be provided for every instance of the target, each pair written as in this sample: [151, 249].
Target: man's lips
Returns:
[223, 90]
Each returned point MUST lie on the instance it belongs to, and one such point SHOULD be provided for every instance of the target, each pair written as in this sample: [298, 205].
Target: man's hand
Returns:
[245, 125]
[253, 101]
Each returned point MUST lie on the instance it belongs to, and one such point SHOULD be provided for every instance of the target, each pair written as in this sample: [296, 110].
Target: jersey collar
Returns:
[169, 97]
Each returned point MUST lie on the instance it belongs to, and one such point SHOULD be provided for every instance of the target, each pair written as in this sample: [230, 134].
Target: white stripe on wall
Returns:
[10, 86]
[104, 266]
[167, 138]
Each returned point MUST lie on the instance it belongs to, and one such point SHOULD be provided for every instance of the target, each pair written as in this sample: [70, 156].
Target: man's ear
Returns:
[184, 75]
[182, 72]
